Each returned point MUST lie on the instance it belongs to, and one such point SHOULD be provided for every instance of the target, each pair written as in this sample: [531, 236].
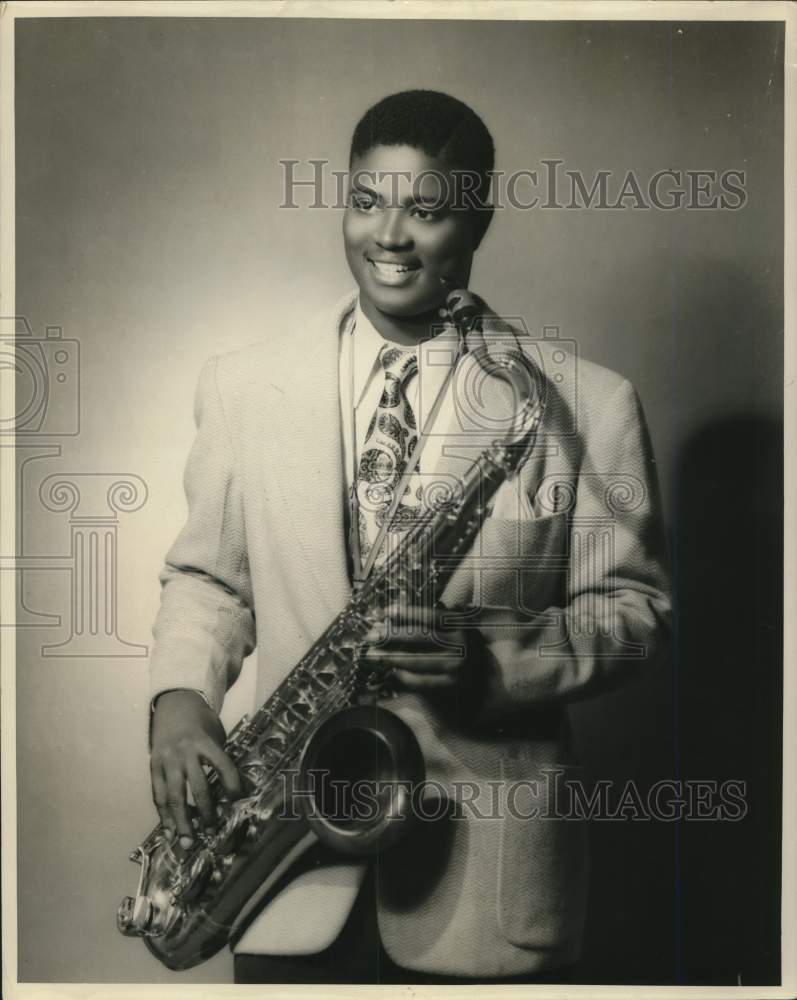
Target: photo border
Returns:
[413, 10]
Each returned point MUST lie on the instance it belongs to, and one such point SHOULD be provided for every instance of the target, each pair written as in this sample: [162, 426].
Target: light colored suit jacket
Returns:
[572, 580]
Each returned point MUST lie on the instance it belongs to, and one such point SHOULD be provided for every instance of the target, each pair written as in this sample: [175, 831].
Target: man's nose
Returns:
[391, 233]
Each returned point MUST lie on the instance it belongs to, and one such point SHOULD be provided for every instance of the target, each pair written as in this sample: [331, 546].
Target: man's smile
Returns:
[389, 271]
[397, 247]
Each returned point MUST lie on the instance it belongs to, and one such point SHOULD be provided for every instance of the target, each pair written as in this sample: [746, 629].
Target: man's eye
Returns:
[426, 214]
[362, 202]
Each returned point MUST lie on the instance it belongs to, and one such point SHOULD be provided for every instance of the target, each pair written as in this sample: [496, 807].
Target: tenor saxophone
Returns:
[191, 902]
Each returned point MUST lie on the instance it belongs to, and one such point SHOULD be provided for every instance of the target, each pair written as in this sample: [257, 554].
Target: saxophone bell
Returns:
[357, 778]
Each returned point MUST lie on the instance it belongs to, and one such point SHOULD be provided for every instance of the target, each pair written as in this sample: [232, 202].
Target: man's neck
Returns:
[409, 331]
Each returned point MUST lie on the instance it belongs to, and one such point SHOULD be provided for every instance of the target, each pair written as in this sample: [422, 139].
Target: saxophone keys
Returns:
[198, 877]
[231, 836]
[302, 710]
[124, 916]
[143, 912]
[134, 915]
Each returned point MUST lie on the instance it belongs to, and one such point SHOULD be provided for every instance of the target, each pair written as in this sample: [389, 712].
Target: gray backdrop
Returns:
[148, 229]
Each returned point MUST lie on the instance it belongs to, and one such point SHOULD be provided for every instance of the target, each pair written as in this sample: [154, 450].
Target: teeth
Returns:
[387, 273]
[391, 268]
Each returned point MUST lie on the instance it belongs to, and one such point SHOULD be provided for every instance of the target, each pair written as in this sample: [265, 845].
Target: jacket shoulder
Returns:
[579, 394]
[564, 371]
[598, 384]
[245, 366]
[266, 367]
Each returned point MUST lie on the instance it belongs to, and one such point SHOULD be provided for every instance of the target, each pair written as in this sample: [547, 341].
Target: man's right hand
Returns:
[186, 733]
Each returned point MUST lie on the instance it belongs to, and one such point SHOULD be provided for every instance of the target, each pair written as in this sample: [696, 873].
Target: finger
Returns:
[399, 617]
[415, 615]
[226, 770]
[451, 644]
[160, 796]
[419, 626]
[179, 808]
[420, 663]
[422, 682]
[419, 621]
[423, 614]
[399, 638]
[201, 792]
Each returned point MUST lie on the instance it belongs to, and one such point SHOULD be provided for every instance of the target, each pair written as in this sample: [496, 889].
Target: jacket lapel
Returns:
[308, 449]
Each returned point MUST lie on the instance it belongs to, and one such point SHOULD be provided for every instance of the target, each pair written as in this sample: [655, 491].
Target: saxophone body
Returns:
[324, 723]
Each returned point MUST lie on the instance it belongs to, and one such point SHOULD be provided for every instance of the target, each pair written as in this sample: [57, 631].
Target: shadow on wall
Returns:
[729, 571]
[698, 901]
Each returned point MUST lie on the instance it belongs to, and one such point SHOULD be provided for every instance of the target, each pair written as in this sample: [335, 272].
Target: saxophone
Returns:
[324, 718]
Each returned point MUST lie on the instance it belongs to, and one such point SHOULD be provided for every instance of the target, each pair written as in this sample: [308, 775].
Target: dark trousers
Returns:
[357, 956]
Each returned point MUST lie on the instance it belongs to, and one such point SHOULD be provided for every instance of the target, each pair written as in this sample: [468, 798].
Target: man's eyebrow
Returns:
[359, 186]
[433, 200]
[411, 198]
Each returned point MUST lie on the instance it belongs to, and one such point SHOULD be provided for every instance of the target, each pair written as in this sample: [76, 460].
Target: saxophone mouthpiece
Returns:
[462, 306]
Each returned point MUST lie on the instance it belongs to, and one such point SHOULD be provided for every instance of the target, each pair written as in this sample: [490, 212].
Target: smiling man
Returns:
[314, 453]
[407, 226]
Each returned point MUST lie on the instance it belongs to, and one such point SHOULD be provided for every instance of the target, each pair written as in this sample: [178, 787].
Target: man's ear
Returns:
[481, 219]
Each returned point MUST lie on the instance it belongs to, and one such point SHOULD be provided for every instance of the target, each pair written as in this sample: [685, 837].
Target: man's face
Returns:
[400, 236]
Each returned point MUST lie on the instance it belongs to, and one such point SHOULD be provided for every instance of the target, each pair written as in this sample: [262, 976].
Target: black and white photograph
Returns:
[397, 404]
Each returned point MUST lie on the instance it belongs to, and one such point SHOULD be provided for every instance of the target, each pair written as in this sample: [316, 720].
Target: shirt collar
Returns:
[367, 342]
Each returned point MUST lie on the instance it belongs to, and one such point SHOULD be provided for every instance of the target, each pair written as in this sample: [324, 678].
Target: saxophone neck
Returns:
[494, 346]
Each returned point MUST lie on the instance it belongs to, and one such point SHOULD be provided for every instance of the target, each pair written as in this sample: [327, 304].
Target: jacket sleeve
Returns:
[615, 622]
[205, 626]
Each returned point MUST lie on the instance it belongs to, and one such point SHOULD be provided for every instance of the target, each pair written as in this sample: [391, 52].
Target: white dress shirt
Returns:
[362, 381]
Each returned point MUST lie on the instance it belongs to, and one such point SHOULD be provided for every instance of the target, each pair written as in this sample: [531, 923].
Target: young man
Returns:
[302, 442]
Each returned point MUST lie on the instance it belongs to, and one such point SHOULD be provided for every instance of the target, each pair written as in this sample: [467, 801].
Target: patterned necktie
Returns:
[389, 443]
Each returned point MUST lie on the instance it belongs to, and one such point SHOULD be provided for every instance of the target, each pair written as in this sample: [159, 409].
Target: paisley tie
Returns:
[389, 443]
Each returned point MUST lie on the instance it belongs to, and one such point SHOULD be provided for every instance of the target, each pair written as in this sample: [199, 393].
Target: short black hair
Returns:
[441, 126]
